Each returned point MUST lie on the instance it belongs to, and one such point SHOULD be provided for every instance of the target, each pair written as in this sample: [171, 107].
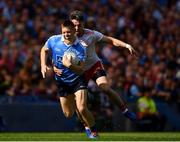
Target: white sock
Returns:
[125, 111]
[87, 128]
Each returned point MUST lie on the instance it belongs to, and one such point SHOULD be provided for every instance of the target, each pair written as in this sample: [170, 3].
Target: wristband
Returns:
[127, 46]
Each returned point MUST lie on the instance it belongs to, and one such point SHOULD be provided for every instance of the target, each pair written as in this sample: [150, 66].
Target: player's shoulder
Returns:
[80, 45]
[89, 32]
[55, 37]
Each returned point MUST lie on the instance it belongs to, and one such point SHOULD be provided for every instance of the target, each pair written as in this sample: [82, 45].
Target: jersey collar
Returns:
[75, 42]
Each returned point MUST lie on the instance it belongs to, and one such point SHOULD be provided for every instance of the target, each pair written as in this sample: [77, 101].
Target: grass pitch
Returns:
[121, 136]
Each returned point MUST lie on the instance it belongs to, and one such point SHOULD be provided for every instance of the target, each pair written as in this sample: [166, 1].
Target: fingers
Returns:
[48, 68]
[43, 74]
[130, 48]
[133, 52]
[67, 61]
[64, 59]
[57, 71]
[67, 58]
[54, 68]
[43, 71]
[70, 59]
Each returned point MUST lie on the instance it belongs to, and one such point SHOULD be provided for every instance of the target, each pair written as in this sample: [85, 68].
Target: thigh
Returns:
[101, 80]
[68, 104]
[81, 98]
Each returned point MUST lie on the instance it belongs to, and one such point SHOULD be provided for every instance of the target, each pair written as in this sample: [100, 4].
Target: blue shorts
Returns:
[66, 89]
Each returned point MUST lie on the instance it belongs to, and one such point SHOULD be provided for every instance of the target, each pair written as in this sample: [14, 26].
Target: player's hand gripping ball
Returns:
[74, 58]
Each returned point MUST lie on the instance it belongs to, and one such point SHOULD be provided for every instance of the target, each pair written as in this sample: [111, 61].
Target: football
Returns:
[75, 58]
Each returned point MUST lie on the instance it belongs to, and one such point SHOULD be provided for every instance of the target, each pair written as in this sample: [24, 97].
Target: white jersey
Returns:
[88, 40]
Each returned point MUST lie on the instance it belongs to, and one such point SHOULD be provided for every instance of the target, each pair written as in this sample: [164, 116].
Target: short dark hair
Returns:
[77, 15]
[67, 23]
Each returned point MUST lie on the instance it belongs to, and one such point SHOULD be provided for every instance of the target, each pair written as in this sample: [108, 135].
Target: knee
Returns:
[82, 109]
[68, 114]
[104, 87]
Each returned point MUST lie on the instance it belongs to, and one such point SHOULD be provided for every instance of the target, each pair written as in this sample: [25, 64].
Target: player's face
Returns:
[68, 33]
[79, 27]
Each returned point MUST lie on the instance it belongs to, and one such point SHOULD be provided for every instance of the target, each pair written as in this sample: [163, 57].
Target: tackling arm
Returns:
[77, 69]
[118, 43]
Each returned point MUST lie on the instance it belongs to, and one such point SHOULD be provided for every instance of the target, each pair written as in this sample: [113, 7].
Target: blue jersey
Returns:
[58, 47]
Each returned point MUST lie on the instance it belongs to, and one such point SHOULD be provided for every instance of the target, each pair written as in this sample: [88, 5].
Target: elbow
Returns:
[80, 71]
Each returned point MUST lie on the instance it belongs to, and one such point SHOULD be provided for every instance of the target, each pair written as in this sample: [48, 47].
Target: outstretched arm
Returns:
[118, 43]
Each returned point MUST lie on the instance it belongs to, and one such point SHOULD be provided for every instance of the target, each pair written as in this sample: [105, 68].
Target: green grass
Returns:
[121, 136]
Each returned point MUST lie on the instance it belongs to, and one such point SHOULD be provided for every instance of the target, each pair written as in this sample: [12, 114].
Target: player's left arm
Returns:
[78, 69]
[118, 43]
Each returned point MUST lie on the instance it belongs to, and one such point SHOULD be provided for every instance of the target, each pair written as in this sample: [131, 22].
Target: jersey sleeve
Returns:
[50, 42]
[81, 52]
[98, 36]
[83, 55]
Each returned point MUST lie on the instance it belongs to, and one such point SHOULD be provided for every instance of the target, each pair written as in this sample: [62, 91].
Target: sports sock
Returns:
[86, 128]
[94, 129]
[125, 111]
[123, 108]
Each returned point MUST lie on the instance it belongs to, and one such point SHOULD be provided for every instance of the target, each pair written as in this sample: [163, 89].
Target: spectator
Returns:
[150, 119]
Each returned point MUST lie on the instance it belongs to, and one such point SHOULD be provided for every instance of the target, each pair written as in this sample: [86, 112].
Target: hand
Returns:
[67, 61]
[57, 71]
[44, 69]
[131, 50]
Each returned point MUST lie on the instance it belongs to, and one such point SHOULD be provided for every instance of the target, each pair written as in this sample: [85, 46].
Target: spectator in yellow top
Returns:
[150, 119]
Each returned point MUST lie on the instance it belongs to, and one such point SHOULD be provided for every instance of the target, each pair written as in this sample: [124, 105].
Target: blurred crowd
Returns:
[150, 26]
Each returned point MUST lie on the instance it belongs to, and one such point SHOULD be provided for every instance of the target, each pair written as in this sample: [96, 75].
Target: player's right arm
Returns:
[111, 40]
[43, 58]
[118, 43]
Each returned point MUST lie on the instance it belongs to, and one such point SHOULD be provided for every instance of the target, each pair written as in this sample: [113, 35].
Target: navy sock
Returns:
[93, 128]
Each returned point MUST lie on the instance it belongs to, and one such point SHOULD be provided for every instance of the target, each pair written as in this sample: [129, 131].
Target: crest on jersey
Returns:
[58, 58]
[57, 49]
[83, 43]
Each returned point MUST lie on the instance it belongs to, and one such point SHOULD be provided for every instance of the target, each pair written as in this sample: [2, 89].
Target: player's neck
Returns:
[70, 41]
[81, 33]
